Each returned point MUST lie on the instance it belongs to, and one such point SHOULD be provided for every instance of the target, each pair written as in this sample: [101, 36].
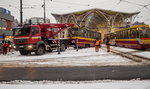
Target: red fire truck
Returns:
[40, 38]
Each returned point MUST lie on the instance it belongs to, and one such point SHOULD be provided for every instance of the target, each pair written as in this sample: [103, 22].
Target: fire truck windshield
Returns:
[21, 31]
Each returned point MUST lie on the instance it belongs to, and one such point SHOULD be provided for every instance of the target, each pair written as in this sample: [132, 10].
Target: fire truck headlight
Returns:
[10, 46]
[30, 46]
[14, 47]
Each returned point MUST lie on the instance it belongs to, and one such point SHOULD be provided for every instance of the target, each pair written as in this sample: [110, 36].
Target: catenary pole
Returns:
[21, 17]
[44, 13]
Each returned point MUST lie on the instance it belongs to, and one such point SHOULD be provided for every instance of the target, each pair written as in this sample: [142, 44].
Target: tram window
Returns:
[85, 33]
[121, 35]
[133, 34]
[111, 36]
[75, 32]
[99, 35]
[71, 32]
[141, 34]
[117, 35]
[80, 33]
[126, 34]
[95, 35]
[92, 35]
[138, 34]
[129, 33]
[88, 34]
[146, 32]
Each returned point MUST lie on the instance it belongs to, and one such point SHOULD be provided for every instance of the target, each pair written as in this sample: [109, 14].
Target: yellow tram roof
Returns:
[138, 26]
[134, 26]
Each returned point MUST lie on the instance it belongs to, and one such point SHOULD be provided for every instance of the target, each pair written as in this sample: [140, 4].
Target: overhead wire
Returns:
[70, 3]
[117, 4]
[131, 3]
[143, 6]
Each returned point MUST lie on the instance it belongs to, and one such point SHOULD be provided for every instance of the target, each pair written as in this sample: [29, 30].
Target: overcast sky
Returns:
[33, 8]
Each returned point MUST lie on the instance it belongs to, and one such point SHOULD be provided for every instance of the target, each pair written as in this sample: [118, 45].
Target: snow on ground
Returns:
[100, 84]
[71, 57]
[142, 53]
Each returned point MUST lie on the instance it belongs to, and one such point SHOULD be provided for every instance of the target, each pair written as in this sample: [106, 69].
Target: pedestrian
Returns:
[97, 45]
[5, 48]
[107, 42]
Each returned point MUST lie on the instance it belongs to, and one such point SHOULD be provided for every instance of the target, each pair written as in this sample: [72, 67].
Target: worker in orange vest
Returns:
[97, 45]
[5, 48]
[107, 40]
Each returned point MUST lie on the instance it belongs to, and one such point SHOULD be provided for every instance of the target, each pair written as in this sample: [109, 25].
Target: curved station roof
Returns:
[96, 18]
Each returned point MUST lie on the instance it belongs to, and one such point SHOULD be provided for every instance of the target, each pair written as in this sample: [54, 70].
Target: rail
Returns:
[132, 57]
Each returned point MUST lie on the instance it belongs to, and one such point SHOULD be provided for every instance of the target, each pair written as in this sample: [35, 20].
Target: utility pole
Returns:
[44, 13]
[21, 17]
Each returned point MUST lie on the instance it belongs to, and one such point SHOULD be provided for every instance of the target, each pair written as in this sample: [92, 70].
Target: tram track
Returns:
[136, 58]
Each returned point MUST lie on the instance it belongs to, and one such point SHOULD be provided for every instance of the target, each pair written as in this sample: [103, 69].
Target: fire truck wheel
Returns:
[63, 48]
[40, 50]
[23, 52]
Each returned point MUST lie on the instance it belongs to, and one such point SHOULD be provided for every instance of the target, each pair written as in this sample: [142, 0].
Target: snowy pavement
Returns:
[84, 57]
[101, 84]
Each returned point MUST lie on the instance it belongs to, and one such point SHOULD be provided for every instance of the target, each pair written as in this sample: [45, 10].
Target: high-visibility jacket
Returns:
[6, 45]
[97, 42]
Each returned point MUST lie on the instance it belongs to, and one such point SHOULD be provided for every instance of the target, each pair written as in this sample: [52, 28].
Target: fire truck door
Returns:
[36, 34]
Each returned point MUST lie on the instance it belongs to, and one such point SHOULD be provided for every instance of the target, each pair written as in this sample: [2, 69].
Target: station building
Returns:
[6, 24]
[104, 21]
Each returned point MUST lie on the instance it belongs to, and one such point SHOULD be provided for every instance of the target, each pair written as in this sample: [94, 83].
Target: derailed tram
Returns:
[136, 37]
[83, 37]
